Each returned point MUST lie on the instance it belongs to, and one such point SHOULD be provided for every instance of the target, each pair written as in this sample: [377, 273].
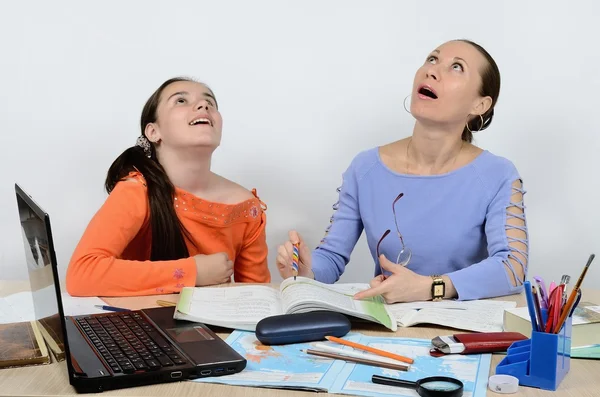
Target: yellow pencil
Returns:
[165, 303]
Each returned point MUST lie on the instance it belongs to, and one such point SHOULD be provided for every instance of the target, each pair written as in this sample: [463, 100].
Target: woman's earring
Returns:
[480, 126]
[404, 104]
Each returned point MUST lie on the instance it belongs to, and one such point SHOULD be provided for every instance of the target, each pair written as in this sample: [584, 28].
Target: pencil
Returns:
[571, 300]
[295, 257]
[335, 356]
[165, 303]
[354, 353]
[370, 349]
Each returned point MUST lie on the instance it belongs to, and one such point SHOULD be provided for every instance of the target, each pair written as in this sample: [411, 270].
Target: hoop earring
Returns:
[480, 127]
[404, 104]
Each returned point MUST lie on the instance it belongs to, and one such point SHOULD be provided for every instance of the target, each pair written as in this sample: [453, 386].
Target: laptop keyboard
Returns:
[128, 343]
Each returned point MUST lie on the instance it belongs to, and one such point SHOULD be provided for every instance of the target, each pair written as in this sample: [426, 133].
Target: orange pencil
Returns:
[370, 349]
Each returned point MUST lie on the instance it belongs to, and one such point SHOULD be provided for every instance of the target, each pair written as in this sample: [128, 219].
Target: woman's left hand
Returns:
[403, 285]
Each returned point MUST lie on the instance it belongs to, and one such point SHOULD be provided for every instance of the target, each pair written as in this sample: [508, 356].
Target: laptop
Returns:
[117, 349]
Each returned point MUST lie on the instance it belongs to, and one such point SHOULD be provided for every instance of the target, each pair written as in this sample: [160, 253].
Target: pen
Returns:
[552, 286]
[111, 308]
[530, 306]
[295, 257]
[554, 308]
[538, 310]
[543, 292]
[576, 302]
[397, 367]
[370, 349]
[570, 301]
[564, 280]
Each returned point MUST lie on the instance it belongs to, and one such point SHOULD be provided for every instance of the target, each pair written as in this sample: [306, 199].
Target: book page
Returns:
[241, 305]
[453, 304]
[304, 294]
[404, 312]
[476, 319]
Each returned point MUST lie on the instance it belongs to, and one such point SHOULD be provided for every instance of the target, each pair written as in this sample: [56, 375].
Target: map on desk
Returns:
[284, 366]
[288, 367]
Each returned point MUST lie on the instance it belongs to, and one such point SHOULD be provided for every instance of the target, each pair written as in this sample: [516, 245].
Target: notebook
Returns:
[21, 344]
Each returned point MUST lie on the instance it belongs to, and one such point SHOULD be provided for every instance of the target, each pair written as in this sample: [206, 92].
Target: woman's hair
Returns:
[168, 233]
[490, 86]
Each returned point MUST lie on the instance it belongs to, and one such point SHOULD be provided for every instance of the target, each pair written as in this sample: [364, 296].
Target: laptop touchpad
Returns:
[189, 334]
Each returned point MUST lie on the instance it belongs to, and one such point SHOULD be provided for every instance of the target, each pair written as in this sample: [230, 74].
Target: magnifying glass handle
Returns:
[384, 380]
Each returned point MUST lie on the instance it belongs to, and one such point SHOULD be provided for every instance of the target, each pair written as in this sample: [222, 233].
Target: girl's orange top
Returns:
[113, 256]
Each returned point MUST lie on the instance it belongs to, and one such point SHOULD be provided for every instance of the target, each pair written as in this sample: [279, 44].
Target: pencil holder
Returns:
[541, 361]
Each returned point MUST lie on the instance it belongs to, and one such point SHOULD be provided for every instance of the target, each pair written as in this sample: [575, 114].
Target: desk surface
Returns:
[52, 379]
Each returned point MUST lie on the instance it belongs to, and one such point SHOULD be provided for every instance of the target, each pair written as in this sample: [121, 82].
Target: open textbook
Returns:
[242, 307]
[476, 315]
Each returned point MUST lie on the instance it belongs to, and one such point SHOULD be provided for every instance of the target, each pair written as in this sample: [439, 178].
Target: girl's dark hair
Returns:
[490, 86]
[168, 233]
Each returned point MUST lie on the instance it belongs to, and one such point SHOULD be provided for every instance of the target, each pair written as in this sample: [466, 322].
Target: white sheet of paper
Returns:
[19, 307]
[16, 308]
[73, 306]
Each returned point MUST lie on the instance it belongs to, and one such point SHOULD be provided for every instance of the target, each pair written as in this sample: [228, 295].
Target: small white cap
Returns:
[503, 384]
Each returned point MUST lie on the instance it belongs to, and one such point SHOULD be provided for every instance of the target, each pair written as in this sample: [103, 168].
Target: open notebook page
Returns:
[305, 294]
[239, 307]
[483, 316]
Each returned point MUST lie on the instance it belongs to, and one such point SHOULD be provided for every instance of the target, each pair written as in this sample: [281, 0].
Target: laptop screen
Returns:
[40, 258]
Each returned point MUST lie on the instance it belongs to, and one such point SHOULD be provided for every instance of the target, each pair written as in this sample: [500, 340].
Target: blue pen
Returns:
[576, 302]
[111, 308]
[531, 307]
[543, 291]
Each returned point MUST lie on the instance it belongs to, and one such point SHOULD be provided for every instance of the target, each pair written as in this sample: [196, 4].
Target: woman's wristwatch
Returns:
[438, 288]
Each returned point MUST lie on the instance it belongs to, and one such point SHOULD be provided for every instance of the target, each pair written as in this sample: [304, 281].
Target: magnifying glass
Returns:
[433, 386]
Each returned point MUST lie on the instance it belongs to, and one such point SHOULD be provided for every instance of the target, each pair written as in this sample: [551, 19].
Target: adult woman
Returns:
[169, 221]
[459, 208]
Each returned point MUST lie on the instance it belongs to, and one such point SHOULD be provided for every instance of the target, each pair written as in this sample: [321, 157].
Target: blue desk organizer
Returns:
[541, 361]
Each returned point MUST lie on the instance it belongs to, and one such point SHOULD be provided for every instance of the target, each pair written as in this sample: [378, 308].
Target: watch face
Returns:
[438, 290]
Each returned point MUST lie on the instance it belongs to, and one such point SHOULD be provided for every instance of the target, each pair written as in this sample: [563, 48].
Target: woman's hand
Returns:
[213, 269]
[403, 285]
[284, 257]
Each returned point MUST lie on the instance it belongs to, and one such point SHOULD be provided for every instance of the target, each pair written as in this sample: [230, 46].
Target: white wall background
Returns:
[303, 86]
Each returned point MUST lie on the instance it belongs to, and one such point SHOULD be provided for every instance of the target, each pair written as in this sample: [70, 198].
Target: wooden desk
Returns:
[52, 379]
